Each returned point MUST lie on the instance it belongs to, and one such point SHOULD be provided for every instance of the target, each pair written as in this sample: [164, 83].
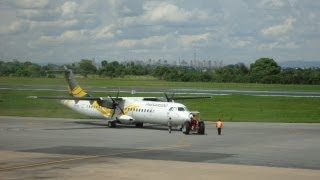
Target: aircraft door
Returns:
[173, 114]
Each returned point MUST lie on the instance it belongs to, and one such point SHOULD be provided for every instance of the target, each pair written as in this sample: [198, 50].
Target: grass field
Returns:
[147, 81]
[235, 108]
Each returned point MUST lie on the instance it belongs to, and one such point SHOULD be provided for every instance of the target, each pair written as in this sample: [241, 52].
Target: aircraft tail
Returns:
[74, 89]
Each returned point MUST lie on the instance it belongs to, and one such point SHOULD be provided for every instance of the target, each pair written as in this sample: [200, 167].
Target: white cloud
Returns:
[188, 40]
[104, 32]
[38, 14]
[273, 4]
[279, 29]
[14, 28]
[241, 43]
[69, 8]
[166, 12]
[156, 28]
[148, 41]
[278, 45]
[30, 4]
[127, 43]
[67, 37]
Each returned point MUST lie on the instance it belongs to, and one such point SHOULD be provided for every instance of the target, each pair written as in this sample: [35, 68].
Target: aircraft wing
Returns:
[74, 98]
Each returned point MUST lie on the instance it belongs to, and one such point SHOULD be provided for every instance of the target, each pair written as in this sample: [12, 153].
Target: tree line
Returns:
[263, 70]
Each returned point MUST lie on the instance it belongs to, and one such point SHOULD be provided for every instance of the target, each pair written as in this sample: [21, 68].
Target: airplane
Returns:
[128, 110]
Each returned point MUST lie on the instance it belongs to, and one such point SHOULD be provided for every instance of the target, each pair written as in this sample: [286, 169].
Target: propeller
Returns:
[115, 104]
[169, 99]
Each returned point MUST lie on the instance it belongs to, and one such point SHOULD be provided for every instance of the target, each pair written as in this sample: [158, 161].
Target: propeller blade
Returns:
[172, 96]
[121, 109]
[115, 104]
[118, 93]
[114, 110]
[168, 100]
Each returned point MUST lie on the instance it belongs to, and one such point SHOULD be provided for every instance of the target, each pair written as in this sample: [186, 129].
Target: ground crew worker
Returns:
[169, 126]
[219, 126]
[193, 122]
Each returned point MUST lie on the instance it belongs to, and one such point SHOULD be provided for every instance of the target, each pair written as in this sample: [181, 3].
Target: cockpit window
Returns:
[181, 109]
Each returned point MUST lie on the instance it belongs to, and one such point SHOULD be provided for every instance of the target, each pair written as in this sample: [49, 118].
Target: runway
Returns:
[72, 148]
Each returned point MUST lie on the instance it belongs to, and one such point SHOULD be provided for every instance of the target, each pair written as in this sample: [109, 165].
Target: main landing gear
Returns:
[111, 124]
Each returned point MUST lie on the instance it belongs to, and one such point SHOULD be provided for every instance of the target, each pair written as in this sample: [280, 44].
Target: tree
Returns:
[104, 63]
[86, 67]
[263, 68]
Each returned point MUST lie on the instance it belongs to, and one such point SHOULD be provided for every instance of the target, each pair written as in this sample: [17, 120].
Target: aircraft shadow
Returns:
[124, 126]
[103, 124]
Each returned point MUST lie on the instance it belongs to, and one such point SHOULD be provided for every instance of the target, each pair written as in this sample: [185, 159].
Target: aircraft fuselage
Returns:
[135, 110]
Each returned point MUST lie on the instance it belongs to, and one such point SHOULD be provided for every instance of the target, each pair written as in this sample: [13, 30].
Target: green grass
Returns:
[147, 81]
[241, 108]
[237, 108]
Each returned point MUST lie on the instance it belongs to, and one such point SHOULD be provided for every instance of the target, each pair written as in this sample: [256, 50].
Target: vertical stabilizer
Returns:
[74, 89]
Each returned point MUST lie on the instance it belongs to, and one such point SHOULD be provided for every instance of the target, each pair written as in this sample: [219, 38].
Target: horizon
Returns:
[285, 64]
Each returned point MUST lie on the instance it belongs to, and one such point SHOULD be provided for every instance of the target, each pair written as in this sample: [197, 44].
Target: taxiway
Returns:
[76, 148]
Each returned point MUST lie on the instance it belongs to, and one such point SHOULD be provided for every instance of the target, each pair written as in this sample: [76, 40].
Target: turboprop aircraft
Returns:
[128, 110]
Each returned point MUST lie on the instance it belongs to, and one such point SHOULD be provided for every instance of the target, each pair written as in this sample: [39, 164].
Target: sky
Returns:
[231, 31]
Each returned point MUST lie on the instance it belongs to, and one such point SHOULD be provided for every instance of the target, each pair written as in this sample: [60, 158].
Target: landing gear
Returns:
[139, 125]
[111, 124]
[186, 127]
[169, 126]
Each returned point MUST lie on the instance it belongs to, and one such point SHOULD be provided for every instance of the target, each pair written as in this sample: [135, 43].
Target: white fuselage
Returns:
[135, 110]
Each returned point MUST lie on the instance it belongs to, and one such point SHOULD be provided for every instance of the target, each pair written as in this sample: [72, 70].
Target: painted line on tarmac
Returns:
[87, 157]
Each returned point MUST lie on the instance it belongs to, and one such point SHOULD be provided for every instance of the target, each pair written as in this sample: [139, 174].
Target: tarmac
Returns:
[55, 148]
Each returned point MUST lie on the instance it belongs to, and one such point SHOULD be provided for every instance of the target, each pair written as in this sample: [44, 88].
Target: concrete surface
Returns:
[40, 148]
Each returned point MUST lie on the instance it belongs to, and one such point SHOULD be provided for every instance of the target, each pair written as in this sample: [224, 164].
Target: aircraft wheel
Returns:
[111, 124]
[139, 125]
[186, 128]
[201, 128]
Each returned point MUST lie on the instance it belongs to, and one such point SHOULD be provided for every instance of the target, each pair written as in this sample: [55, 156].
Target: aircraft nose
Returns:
[187, 116]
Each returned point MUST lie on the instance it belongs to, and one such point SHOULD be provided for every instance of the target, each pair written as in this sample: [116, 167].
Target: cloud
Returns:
[148, 41]
[241, 43]
[84, 36]
[165, 12]
[278, 45]
[273, 4]
[104, 32]
[30, 4]
[14, 28]
[159, 29]
[188, 40]
[69, 9]
[279, 29]
[38, 15]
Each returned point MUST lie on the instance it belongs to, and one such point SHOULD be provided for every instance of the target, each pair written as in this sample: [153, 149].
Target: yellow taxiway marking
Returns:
[86, 157]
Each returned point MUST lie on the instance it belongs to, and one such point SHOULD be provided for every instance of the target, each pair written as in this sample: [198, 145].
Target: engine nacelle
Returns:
[106, 102]
[125, 119]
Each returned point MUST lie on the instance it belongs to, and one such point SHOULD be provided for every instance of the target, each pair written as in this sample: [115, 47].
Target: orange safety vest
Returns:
[219, 124]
